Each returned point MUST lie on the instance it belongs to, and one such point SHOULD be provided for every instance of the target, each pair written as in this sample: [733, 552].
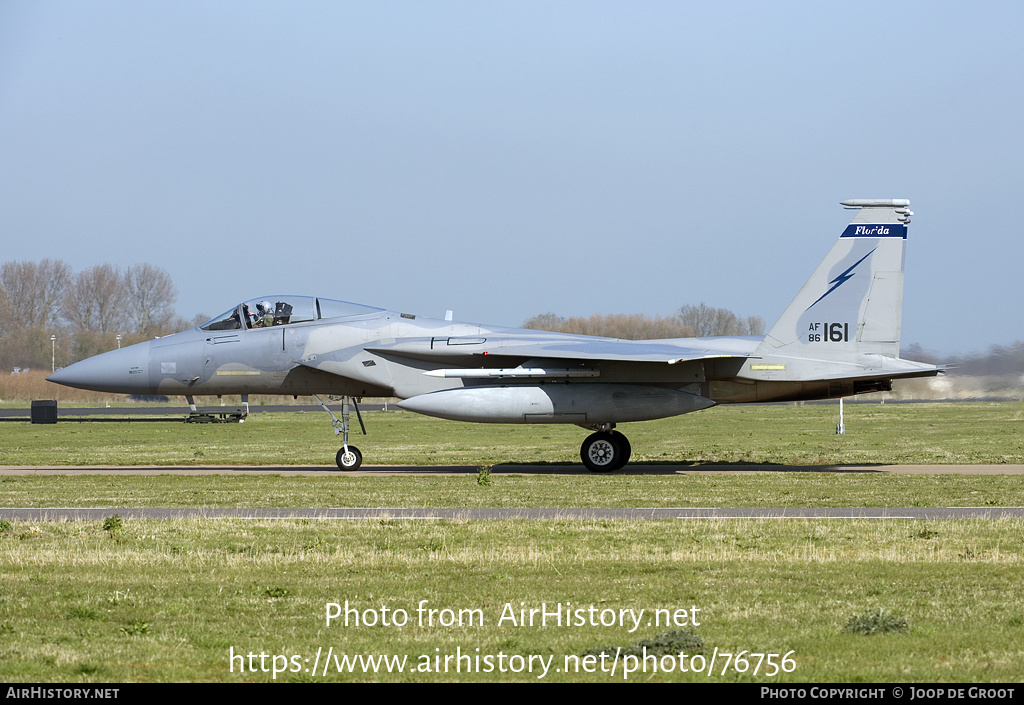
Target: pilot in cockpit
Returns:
[264, 314]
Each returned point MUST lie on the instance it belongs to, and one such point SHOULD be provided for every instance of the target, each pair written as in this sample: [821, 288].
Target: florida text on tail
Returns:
[840, 336]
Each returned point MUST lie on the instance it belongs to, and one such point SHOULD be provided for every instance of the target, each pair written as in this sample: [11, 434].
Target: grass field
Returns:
[171, 600]
[828, 600]
[816, 489]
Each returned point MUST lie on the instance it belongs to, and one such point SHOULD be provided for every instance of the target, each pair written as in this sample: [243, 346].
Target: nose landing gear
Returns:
[348, 457]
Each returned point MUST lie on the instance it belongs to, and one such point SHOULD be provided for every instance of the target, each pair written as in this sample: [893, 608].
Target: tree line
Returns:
[85, 311]
[688, 322]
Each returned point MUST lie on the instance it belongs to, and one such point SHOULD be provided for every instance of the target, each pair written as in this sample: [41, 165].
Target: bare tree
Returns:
[706, 320]
[35, 292]
[545, 321]
[97, 300]
[689, 321]
[755, 325]
[5, 305]
[634, 326]
[152, 294]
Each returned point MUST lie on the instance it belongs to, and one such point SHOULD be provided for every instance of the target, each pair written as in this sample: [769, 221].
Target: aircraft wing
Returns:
[568, 347]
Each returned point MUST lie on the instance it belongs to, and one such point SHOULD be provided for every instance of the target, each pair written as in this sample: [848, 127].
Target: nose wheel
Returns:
[605, 451]
[348, 457]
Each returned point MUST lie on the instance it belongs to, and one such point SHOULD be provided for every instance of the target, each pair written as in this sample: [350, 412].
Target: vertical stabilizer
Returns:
[853, 303]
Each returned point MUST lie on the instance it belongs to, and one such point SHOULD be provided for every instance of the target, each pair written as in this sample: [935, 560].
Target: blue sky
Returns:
[505, 159]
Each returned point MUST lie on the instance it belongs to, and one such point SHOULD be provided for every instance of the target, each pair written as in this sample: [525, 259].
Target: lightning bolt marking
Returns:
[842, 278]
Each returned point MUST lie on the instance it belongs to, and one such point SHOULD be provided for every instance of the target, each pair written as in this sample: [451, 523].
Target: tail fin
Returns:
[853, 302]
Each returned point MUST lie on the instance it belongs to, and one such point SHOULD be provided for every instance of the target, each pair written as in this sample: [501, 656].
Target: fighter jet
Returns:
[839, 337]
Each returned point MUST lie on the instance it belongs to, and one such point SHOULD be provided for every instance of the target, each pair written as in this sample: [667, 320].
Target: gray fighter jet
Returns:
[839, 337]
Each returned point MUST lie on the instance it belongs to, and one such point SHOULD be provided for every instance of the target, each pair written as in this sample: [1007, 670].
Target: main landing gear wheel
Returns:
[627, 449]
[349, 459]
[605, 451]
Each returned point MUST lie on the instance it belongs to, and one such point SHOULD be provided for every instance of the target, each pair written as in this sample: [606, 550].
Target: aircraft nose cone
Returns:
[123, 371]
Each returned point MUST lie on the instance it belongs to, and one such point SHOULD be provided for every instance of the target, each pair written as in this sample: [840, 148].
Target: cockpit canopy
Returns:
[269, 311]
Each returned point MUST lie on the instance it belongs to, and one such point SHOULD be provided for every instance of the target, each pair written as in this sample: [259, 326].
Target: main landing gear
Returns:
[348, 457]
[605, 451]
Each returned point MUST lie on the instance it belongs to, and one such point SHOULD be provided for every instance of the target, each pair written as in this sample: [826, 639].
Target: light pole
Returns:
[53, 353]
